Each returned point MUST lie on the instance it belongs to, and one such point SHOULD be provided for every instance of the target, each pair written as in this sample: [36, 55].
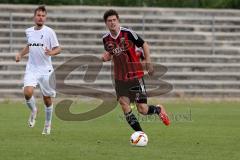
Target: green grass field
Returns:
[199, 131]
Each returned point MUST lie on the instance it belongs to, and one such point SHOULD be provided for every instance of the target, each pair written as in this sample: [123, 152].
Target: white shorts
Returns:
[45, 82]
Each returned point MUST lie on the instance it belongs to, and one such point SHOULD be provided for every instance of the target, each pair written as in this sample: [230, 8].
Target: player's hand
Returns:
[149, 68]
[47, 51]
[18, 57]
[106, 56]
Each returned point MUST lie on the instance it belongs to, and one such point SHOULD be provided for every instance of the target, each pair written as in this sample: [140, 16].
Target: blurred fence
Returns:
[199, 48]
[143, 3]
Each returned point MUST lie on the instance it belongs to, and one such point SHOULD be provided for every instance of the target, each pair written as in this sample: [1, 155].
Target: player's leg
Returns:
[144, 108]
[129, 115]
[123, 96]
[48, 114]
[30, 101]
[152, 109]
[48, 92]
[29, 83]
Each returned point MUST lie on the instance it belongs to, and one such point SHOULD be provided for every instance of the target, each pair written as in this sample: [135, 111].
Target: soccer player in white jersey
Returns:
[42, 43]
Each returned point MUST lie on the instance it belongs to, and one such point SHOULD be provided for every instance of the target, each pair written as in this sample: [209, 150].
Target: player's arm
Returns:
[55, 48]
[106, 56]
[139, 42]
[22, 53]
[54, 51]
[147, 59]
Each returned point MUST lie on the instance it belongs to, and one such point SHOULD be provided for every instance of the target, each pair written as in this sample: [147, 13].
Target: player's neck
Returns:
[37, 27]
[115, 33]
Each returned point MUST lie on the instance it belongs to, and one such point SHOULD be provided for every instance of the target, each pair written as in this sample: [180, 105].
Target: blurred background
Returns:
[197, 40]
[140, 3]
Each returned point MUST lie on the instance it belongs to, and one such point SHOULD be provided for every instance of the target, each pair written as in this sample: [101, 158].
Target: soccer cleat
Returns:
[46, 130]
[163, 115]
[32, 119]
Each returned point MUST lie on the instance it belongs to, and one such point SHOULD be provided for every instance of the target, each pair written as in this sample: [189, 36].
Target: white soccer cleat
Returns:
[46, 130]
[32, 119]
[31, 123]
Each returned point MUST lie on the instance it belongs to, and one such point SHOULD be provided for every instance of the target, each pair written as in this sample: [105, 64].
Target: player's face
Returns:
[40, 18]
[112, 23]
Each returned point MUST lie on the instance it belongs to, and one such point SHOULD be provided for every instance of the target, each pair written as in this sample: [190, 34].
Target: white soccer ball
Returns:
[139, 138]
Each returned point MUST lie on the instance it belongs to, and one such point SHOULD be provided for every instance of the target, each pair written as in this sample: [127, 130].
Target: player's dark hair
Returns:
[110, 12]
[40, 8]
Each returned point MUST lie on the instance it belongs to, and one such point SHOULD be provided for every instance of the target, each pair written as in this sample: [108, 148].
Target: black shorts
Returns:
[134, 90]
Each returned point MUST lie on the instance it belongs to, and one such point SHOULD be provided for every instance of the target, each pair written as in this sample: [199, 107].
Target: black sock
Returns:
[132, 121]
[153, 110]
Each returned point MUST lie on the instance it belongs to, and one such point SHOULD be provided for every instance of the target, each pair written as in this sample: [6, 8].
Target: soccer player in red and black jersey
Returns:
[120, 44]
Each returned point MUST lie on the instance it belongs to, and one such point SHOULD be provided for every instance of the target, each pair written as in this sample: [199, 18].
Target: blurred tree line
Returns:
[235, 4]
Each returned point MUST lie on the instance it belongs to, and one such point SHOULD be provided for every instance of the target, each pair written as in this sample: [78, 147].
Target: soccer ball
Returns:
[139, 138]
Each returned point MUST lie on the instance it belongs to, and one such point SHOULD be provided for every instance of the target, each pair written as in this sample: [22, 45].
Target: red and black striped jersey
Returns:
[126, 61]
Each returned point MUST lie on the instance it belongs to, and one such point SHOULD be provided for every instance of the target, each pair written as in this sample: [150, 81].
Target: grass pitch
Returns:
[199, 131]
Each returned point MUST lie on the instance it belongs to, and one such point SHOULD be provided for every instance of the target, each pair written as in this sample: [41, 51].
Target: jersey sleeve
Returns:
[53, 40]
[108, 46]
[27, 35]
[104, 44]
[136, 39]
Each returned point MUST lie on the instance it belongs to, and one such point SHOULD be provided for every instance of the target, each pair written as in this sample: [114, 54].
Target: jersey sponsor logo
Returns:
[35, 44]
[122, 47]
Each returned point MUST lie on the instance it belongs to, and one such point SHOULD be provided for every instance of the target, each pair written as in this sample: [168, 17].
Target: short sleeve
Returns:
[104, 44]
[53, 40]
[136, 39]
[27, 35]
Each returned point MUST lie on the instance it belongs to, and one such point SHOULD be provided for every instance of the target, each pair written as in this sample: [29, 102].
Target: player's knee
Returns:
[28, 94]
[142, 109]
[122, 101]
[47, 101]
[124, 104]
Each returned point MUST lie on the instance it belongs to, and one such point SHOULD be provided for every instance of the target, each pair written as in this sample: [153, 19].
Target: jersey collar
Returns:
[38, 29]
[117, 34]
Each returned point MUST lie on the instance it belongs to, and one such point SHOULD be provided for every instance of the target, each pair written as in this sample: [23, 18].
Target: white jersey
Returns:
[37, 41]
